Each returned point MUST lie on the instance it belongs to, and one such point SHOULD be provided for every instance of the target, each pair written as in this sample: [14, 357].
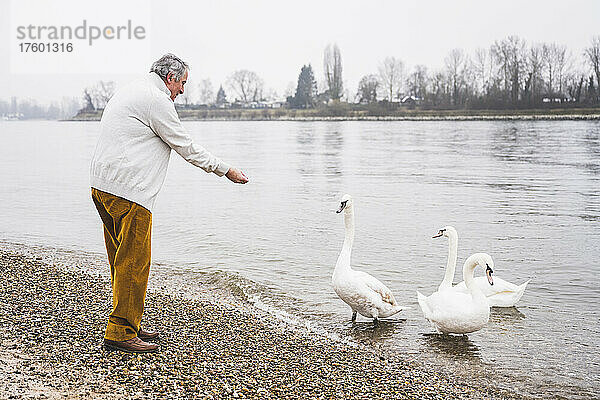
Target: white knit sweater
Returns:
[139, 127]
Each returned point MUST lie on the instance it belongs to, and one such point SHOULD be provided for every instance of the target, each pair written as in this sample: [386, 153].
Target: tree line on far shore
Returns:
[510, 74]
[16, 108]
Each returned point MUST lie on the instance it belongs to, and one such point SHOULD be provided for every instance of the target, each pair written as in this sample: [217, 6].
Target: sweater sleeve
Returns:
[165, 122]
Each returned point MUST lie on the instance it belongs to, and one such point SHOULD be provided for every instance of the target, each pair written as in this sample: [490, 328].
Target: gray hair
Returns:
[169, 63]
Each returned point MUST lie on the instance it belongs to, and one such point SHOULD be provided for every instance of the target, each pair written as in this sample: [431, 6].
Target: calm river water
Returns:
[527, 193]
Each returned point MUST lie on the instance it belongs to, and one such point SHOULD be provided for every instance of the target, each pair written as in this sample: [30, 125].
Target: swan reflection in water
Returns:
[454, 346]
[506, 317]
[366, 331]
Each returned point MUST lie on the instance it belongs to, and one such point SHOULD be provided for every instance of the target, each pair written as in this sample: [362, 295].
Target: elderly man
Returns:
[139, 127]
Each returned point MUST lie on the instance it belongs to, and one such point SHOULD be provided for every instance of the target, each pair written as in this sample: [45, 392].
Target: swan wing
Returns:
[375, 285]
[501, 294]
[423, 304]
[499, 286]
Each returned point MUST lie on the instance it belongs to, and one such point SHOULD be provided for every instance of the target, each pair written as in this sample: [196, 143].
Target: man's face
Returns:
[176, 87]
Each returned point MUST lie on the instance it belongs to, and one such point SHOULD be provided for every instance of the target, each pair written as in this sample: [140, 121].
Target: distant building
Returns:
[556, 100]
[12, 116]
[262, 104]
[410, 100]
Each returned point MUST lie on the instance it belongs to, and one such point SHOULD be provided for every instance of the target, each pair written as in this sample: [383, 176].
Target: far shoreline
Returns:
[333, 114]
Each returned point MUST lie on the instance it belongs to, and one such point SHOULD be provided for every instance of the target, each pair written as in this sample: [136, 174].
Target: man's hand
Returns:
[236, 176]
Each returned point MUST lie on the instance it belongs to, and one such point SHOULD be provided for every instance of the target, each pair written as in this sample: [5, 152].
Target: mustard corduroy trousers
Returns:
[127, 235]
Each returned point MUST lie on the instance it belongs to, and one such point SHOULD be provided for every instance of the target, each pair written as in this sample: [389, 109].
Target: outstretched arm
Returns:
[165, 123]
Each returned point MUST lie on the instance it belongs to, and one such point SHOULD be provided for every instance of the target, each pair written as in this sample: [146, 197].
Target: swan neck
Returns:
[343, 261]
[349, 223]
[468, 270]
[451, 263]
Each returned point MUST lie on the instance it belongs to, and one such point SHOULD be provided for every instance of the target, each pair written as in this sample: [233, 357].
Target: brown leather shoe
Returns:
[147, 335]
[135, 345]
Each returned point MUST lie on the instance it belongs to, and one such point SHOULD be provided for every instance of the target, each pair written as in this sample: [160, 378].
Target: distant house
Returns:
[410, 100]
[554, 100]
[12, 117]
[269, 104]
[262, 104]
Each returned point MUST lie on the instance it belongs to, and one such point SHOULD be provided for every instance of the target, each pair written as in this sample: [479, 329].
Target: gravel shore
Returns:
[52, 321]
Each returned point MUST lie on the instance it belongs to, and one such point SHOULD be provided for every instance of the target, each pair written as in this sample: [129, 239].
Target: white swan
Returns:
[450, 311]
[501, 294]
[365, 294]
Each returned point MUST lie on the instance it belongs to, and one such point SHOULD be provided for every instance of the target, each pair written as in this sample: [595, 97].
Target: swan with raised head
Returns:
[365, 294]
[450, 311]
[501, 294]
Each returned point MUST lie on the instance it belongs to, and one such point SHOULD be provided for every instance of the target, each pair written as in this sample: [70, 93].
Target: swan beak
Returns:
[488, 274]
[342, 206]
[437, 235]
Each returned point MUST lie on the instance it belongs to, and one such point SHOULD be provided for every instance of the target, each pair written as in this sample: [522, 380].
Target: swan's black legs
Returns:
[353, 316]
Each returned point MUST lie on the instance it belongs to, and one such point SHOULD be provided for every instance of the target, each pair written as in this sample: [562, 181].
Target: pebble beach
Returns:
[52, 320]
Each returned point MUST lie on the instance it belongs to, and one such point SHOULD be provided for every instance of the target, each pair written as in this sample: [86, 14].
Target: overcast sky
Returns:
[275, 38]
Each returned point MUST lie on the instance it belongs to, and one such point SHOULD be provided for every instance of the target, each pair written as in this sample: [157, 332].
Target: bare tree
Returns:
[88, 100]
[563, 64]
[53, 111]
[555, 60]
[270, 94]
[391, 73]
[534, 82]
[592, 55]
[367, 89]
[96, 97]
[322, 88]
[549, 70]
[69, 106]
[482, 68]
[574, 85]
[418, 81]
[206, 95]
[4, 107]
[289, 90]
[246, 84]
[332, 66]
[456, 63]
[510, 55]
[103, 91]
[440, 92]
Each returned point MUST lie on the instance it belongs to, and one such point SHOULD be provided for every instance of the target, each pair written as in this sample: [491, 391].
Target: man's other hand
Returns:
[236, 176]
